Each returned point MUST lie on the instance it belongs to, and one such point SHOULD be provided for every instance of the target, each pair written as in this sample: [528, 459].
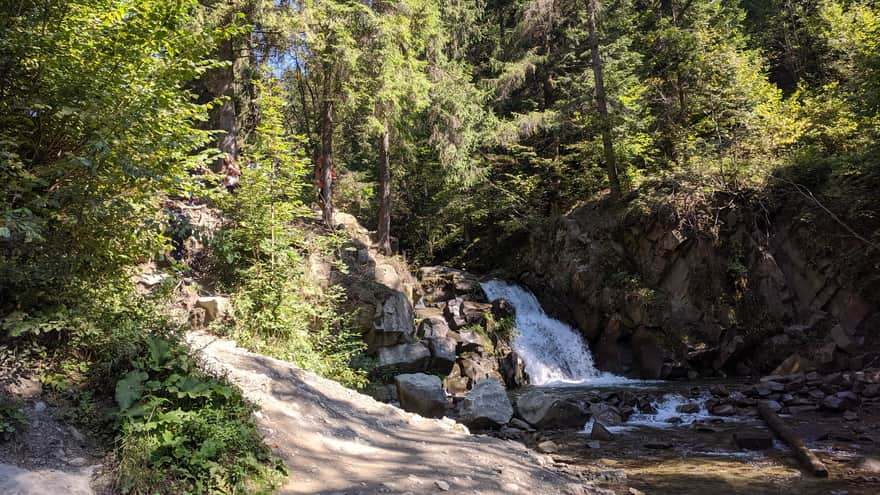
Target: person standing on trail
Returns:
[319, 172]
[232, 173]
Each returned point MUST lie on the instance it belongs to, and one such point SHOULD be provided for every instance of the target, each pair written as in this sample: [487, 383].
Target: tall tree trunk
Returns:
[327, 163]
[385, 192]
[222, 85]
[601, 102]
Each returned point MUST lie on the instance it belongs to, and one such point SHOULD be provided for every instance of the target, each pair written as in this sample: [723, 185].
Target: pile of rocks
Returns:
[802, 392]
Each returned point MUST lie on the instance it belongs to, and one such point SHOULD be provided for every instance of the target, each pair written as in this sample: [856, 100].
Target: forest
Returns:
[452, 130]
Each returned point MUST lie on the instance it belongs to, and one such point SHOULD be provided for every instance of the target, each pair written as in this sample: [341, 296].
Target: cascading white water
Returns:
[553, 352]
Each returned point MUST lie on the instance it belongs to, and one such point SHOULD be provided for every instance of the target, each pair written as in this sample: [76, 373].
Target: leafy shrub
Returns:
[185, 432]
[12, 420]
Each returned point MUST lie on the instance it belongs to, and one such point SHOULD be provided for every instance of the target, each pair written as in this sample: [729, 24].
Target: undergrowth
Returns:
[114, 365]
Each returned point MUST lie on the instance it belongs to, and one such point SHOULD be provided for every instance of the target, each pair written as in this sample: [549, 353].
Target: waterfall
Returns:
[553, 352]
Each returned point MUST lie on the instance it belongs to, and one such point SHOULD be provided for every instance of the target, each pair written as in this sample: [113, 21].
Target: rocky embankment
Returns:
[335, 440]
[665, 284]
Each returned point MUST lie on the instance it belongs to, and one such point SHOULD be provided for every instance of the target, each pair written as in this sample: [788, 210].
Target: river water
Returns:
[670, 451]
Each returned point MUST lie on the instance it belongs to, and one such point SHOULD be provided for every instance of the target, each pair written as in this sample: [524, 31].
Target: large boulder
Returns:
[486, 405]
[403, 358]
[606, 414]
[441, 283]
[215, 307]
[433, 324]
[422, 394]
[513, 369]
[442, 354]
[454, 315]
[544, 411]
[478, 366]
[392, 322]
[474, 313]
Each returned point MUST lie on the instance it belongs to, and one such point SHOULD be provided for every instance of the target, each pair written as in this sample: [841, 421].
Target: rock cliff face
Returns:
[662, 288]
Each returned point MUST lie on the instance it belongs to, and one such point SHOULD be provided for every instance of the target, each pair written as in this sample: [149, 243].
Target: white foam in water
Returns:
[667, 415]
[553, 352]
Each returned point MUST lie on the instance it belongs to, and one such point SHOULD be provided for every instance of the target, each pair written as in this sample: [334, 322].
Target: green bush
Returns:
[12, 420]
[185, 432]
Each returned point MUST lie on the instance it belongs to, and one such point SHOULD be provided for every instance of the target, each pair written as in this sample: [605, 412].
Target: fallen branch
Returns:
[806, 457]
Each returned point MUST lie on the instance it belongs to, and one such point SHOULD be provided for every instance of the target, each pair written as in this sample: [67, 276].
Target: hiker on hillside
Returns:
[232, 173]
[319, 177]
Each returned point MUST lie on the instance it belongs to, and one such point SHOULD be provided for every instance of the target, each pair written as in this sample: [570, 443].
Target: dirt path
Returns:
[48, 458]
[337, 441]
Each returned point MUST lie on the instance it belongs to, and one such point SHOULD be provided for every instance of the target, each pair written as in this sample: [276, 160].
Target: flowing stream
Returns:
[553, 352]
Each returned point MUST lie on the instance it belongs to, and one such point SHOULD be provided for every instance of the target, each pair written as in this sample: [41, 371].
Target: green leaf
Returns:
[130, 389]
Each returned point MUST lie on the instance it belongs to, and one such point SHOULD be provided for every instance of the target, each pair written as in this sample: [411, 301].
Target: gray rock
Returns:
[470, 341]
[215, 307]
[486, 405]
[600, 432]
[403, 358]
[543, 410]
[454, 315]
[442, 354]
[442, 485]
[841, 401]
[477, 366]
[434, 326]
[513, 369]
[392, 322]
[723, 410]
[607, 415]
[40, 406]
[422, 394]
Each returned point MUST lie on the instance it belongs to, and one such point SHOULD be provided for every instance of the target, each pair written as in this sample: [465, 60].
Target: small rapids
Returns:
[668, 414]
[553, 352]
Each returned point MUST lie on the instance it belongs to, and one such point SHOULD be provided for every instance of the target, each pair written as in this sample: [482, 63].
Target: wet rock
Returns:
[513, 370]
[600, 432]
[607, 415]
[719, 391]
[502, 308]
[403, 358]
[841, 401]
[422, 394]
[689, 408]
[542, 410]
[442, 354]
[486, 405]
[753, 439]
[593, 444]
[773, 405]
[723, 410]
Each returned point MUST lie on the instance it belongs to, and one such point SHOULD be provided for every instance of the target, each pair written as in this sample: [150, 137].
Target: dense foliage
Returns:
[454, 128]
